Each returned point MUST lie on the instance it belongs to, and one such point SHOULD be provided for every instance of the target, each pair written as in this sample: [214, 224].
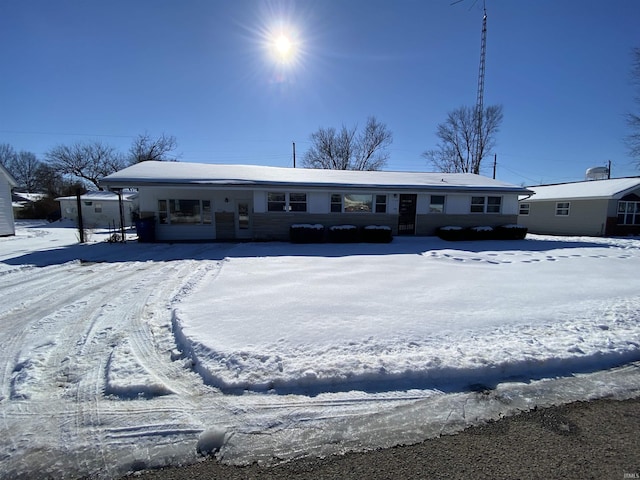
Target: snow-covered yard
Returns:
[117, 357]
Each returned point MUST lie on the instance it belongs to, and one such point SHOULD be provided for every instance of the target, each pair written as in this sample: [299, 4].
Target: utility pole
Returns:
[294, 154]
[495, 163]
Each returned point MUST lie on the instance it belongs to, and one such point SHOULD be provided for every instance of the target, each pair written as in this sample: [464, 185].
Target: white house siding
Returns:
[275, 225]
[267, 225]
[227, 187]
[7, 226]
[97, 212]
[586, 217]
[223, 204]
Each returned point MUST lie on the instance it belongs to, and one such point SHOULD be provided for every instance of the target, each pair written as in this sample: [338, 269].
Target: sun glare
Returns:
[283, 48]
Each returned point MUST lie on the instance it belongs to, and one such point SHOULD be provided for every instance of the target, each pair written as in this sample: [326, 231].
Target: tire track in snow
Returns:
[151, 328]
[100, 307]
[39, 315]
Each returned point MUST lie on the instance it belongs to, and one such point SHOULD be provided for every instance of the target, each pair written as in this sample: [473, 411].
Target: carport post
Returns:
[80, 224]
[121, 206]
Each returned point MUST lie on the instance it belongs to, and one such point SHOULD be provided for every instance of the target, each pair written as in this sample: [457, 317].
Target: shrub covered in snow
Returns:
[502, 232]
[451, 233]
[480, 233]
[343, 234]
[376, 234]
[511, 232]
[306, 233]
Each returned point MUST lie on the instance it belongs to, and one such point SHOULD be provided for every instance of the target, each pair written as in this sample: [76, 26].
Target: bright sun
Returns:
[283, 48]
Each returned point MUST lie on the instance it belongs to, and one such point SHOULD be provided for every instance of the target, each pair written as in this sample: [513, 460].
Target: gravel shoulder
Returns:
[598, 439]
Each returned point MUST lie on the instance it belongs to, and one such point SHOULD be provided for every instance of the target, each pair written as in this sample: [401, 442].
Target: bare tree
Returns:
[7, 156]
[460, 150]
[88, 162]
[349, 150]
[53, 184]
[633, 119]
[145, 148]
[25, 170]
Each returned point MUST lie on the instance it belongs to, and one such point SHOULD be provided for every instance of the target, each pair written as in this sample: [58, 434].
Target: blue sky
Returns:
[202, 71]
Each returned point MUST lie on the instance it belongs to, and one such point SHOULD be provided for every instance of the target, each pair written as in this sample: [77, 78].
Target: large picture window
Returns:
[184, 211]
[358, 203]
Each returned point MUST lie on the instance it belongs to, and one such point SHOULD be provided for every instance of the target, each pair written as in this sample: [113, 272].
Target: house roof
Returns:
[612, 188]
[102, 196]
[10, 179]
[182, 173]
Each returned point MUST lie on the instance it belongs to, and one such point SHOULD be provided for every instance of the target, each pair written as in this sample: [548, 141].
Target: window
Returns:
[297, 202]
[336, 203]
[524, 209]
[628, 213]
[276, 202]
[358, 203]
[486, 204]
[477, 204]
[493, 204]
[98, 208]
[436, 204]
[286, 202]
[562, 209]
[177, 212]
[207, 217]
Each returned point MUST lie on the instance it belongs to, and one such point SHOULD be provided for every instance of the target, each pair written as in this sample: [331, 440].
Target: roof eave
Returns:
[135, 183]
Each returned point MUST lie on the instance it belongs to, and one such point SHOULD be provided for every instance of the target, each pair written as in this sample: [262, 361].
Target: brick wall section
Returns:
[427, 224]
[225, 226]
[275, 225]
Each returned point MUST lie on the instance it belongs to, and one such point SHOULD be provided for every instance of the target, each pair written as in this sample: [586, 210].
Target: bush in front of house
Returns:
[343, 234]
[480, 233]
[306, 233]
[451, 233]
[510, 232]
[376, 234]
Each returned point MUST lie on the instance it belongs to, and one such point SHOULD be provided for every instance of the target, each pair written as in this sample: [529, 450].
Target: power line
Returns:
[17, 132]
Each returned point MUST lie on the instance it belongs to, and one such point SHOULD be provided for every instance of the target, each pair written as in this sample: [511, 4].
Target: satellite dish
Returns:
[597, 173]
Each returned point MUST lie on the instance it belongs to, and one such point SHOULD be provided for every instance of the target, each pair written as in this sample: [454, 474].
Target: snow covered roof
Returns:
[612, 188]
[102, 196]
[10, 179]
[182, 173]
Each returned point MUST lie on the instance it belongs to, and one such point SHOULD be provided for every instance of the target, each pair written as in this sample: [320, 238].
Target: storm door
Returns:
[243, 219]
[407, 214]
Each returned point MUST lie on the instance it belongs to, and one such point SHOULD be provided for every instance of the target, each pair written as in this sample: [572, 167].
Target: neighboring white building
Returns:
[7, 182]
[100, 209]
[193, 201]
[594, 207]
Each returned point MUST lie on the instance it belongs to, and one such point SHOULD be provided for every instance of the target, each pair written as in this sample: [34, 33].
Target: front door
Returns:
[407, 214]
[243, 219]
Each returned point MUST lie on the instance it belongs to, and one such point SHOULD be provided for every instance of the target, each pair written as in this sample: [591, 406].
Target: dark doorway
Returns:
[407, 214]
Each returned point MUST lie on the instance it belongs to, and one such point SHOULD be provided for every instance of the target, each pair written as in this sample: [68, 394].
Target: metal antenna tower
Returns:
[480, 99]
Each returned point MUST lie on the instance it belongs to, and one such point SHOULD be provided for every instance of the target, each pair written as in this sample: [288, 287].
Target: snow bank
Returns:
[442, 319]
